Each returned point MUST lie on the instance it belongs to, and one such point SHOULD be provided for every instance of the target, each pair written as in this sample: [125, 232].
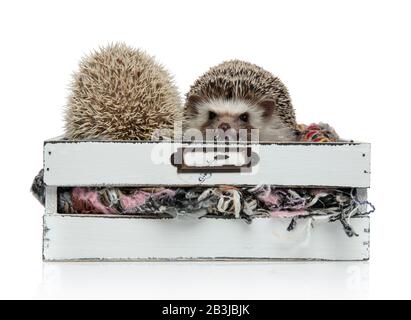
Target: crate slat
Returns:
[99, 163]
[114, 238]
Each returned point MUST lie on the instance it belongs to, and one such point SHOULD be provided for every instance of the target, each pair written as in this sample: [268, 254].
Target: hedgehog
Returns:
[237, 95]
[121, 93]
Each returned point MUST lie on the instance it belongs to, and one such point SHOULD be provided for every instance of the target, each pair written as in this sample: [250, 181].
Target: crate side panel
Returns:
[74, 238]
[51, 205]
[110, 163]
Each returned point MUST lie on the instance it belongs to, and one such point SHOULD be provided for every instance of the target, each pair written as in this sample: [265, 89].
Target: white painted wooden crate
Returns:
[118, 238]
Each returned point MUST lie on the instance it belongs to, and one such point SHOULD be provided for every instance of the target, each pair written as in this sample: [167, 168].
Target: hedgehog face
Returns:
[237, 119]
[240, 95]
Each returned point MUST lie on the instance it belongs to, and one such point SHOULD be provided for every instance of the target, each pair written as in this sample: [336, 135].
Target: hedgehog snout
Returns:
[224, 126]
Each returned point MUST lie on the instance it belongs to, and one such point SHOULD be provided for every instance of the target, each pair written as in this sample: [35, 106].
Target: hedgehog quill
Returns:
[121, 93]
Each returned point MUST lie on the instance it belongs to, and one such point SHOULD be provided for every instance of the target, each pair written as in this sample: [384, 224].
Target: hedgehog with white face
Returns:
[236, 97]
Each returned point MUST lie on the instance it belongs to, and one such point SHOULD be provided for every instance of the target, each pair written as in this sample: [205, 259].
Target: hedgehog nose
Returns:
[224, 126]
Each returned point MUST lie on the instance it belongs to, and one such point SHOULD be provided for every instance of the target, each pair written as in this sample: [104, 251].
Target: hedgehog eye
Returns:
[212, 115]
[244, 117]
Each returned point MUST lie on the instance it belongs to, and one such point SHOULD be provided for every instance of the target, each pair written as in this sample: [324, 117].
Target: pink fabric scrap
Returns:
[91, 200]
[137, 199]
[269, 198]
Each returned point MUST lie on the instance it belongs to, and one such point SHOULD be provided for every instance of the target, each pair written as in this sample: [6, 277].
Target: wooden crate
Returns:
[129, 238]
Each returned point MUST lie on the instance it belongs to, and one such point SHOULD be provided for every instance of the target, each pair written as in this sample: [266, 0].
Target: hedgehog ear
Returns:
[192, 102]
[268, 105]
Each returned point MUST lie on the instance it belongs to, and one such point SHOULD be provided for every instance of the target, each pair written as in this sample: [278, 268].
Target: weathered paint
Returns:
[113, 238]
[87, 163]
[51, 200]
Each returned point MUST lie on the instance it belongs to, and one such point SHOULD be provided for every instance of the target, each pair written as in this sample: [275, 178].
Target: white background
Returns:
[345, 62]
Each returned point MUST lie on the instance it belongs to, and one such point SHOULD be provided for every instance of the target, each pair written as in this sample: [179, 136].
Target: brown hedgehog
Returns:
[120, 93]
[239, 95]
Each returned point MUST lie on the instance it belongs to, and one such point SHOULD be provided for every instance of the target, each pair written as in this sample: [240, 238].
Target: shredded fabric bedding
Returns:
[222, 201]
[245, 202]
